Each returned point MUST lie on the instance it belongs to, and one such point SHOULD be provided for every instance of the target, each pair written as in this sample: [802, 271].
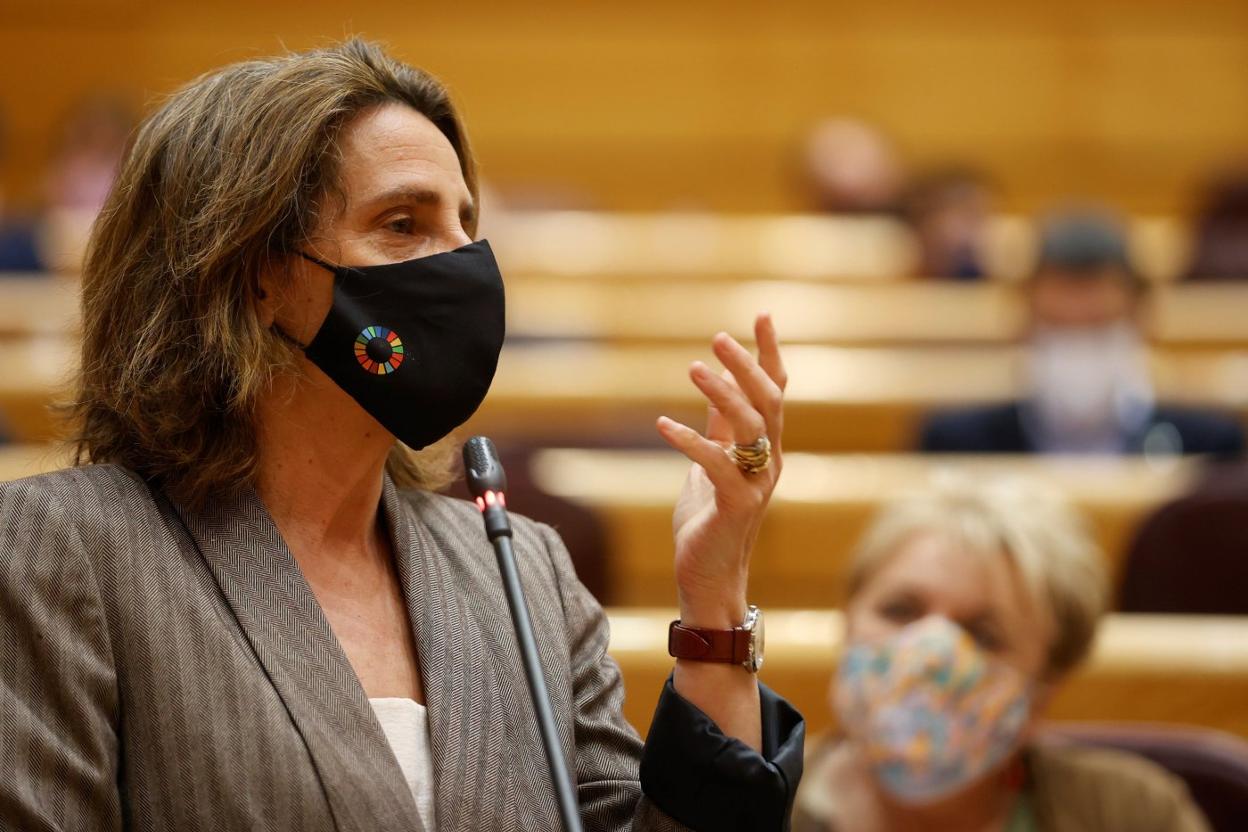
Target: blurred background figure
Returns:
[19, 249]
[968, 606]
[949, 210]
[1086, 365]
[81, 173]
[852, 168]
[1221, 228]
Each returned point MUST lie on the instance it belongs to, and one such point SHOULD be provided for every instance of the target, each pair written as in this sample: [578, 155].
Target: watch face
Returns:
[757, 641]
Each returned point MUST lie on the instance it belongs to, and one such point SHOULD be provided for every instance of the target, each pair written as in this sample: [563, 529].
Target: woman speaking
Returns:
[250, 610]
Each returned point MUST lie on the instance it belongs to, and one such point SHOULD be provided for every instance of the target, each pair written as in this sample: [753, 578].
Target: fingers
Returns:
[738, 420]
[762, 392]
[769, 350]
[702, 451]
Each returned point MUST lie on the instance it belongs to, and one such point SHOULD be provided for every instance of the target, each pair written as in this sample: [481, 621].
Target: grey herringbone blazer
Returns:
[170, 670]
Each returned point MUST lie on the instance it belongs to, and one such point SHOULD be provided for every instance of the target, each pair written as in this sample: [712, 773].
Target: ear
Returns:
[1046, 688]
[269, 282]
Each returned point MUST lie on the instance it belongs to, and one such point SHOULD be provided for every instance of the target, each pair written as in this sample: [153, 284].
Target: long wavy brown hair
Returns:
[232, 173]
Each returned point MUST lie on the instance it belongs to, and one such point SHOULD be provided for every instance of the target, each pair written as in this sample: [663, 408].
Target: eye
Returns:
[900, 610]
[400, 225]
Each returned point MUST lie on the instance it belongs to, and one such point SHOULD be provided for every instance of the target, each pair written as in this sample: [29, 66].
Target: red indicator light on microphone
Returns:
[490, 499]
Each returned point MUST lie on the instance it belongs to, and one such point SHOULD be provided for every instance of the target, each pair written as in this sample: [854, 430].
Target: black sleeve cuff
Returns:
[713, 783]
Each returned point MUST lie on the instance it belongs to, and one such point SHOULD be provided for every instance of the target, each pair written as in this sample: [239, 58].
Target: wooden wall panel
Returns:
[643, 106]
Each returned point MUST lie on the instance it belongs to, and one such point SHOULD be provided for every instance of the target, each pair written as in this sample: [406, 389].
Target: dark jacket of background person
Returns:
[168, 669]
[1074, 789]
[19, 249]
[1002, 429]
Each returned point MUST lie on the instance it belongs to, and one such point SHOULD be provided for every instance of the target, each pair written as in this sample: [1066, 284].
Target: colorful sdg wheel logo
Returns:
[378, 350]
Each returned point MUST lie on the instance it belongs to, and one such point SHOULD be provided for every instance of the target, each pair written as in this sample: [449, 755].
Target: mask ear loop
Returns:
[333, 269]
[282, 336]
[277, 330]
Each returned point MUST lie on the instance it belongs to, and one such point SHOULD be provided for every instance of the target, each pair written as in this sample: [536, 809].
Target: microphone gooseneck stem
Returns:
[565, 793]
[487, 483]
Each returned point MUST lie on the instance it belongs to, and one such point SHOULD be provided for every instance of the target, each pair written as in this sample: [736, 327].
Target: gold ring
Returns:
[751, 458]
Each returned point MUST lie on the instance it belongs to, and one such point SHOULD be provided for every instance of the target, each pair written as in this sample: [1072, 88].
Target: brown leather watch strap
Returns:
[729, 646]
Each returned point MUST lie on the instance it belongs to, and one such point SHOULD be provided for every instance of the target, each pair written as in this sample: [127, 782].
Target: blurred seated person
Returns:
[968, 606]
[19, 245]
[1221, 245]
[1088, 383]
[850, 167]
[949, 210]
[80, 175]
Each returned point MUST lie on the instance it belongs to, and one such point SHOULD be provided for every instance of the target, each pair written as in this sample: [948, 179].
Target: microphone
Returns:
[488, 485]
[487, 482]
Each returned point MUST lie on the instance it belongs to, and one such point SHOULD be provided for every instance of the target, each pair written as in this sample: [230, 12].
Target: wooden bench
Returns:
[820, 509]
[657, 310]
[606, 303]
[662, 310]
[1169, 669]
[701, 246]
[38, 304]
[839, 398]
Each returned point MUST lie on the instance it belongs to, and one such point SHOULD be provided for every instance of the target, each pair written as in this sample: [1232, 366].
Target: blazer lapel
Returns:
[290, 635]
[468, 715]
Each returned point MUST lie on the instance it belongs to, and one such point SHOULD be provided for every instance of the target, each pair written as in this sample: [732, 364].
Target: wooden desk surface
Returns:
[822, 506]
[897, 313]
[661, 310]
[703, 246]
[1177, 669]
[38, 305]
[17, 461]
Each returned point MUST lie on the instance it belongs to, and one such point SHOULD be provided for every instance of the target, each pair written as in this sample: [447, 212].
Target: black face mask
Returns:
[415, 343]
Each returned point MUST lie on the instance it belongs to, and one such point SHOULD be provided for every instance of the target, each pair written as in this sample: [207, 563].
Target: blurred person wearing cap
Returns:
[1088, 388]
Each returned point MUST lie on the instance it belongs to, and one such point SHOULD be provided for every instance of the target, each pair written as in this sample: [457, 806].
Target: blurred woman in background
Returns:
[968, 606]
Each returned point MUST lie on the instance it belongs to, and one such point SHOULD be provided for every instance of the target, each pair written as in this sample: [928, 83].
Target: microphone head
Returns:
[481, 467]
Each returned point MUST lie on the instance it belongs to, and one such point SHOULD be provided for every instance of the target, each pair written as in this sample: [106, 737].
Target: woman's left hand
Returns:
[721, 507]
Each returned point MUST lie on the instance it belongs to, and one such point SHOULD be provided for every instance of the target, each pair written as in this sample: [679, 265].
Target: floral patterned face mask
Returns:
[932, 710]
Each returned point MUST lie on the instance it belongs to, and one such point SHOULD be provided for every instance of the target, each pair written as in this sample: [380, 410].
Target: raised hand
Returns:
[721, 507]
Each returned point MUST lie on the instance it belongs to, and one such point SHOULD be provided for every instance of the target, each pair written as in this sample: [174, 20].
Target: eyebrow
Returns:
[419, 196]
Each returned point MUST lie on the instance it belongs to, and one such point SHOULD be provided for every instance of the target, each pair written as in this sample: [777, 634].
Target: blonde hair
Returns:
[229, 177]
[1033, 526]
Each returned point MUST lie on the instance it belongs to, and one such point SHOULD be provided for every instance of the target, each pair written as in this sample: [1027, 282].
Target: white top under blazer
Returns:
[405, 723]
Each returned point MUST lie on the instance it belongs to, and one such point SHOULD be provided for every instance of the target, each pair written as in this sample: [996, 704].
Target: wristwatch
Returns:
[741, 645]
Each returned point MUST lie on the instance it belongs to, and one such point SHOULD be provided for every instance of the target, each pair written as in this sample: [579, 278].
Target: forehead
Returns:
[393, 145]
[956, 580]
